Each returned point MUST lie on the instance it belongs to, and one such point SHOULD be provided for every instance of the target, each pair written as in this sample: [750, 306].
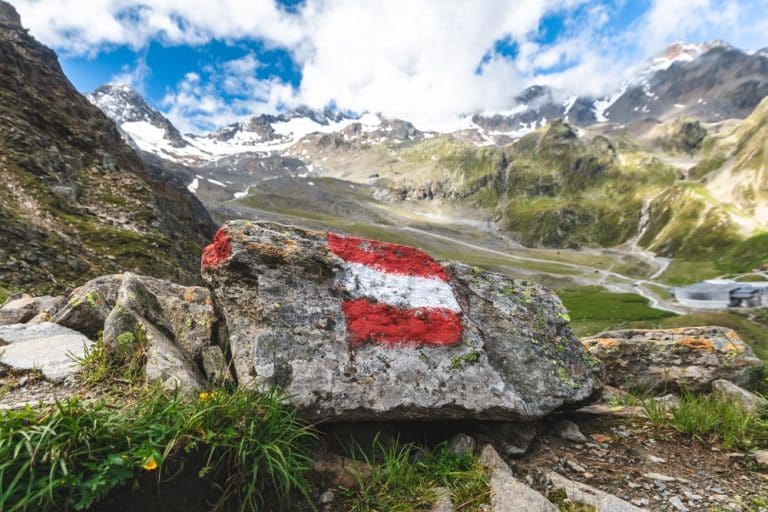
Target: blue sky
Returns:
[206, 63]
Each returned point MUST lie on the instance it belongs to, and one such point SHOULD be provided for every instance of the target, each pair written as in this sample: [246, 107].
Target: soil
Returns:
[631, 450]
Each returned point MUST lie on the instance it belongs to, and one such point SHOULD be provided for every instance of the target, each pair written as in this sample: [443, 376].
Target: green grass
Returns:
[711, 418]
[72, 455]
[403, 479]
[4, 293]
[593, 310]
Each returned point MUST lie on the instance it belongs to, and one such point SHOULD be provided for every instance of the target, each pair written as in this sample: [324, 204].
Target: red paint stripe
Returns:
[382, 323]
[391, 258]
[219, 251]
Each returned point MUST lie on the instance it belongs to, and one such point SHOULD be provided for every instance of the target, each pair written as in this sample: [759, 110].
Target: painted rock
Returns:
[357, 329]
[661, 359]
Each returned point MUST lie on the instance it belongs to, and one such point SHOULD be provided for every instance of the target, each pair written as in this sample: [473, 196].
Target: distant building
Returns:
[723, 293]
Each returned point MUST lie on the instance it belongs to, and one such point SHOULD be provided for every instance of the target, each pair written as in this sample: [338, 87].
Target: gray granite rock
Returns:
[658, 359]
[280, 290]
[25, 308]
[748, 400]
[18, 333]
[173, 322]
[52, 351]
[508, 494]
[583, 493]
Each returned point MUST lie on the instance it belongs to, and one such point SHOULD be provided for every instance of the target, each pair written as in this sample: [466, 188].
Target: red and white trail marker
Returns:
[399, 295]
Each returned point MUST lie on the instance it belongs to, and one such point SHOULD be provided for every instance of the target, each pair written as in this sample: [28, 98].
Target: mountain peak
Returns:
[124, 105]
[8, 15]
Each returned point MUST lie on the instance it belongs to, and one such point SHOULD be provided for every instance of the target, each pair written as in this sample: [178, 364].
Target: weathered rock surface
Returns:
[48, 348]
[174, 322]
[508, 494]
[582, 493]
[384, 332]
[19, 333]
[174, 325]
[25, 308]
[748, 400]
[442, 501]
[692, 357]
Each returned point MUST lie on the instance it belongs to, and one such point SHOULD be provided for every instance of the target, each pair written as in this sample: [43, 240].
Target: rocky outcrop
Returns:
[75, 201]
[172, 326]
[354, 329]
[691, 357]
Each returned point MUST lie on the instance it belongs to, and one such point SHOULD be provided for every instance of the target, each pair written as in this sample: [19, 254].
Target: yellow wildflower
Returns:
[205, 395]
[150, 464]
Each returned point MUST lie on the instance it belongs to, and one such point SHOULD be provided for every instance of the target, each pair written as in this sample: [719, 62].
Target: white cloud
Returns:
[415, 60]
[135, 75]
[196, 104]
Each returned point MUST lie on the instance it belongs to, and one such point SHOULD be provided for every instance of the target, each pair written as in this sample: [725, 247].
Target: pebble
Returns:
[569, 431]
[575, 466]
[327, 497]
[659, 477]
[678, 504]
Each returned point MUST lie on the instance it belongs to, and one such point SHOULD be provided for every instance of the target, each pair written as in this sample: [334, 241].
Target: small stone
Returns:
[462, 444]
[575, 466]
[602, 438]
[678, 504]
[327, 497]
[569, 431]
[215, 365]
[667, 401]
[659, 477]
[748, 400]
[443, 501]
[640, 502]
[655, 460]
[761, 457]
[341, 471]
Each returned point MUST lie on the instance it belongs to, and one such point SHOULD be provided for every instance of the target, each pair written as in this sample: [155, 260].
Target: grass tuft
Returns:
[403, 479]
[710, 418]
[74, 454]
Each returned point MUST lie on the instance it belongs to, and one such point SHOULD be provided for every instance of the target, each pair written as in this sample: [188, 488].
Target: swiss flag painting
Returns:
[398, 295]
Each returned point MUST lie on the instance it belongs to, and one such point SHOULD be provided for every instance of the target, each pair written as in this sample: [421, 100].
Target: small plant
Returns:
[403, 478]
[124, 365]
[564, 504]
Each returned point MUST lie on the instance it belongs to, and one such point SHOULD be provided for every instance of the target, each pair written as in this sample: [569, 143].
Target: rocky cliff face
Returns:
[75, 200]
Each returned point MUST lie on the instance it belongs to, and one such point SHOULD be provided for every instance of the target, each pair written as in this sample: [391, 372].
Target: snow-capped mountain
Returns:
[710, 81]
[149, 131]
[133, 115]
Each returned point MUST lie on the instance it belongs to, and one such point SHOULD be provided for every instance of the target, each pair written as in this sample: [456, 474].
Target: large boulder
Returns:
[658, 359]
[355, 329]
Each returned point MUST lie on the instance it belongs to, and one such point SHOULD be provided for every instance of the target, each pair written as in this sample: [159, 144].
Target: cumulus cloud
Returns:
[197, 104]
[426, 61]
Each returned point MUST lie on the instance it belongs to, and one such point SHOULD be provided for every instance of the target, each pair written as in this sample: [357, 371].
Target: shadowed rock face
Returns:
[660, 359]
[75, 200]
[285, 294]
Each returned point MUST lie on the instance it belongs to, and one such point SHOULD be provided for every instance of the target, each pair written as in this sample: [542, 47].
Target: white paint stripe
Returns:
[362, 281]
